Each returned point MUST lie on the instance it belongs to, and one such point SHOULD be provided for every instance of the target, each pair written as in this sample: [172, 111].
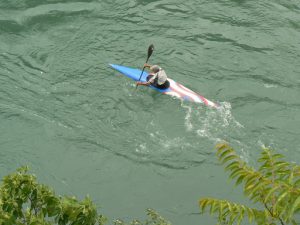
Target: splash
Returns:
[188, 117]
[213, 125]
[220, 125]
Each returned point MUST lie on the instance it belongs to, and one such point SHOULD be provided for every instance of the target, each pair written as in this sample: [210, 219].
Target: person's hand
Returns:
[146, 65]
[138, 83]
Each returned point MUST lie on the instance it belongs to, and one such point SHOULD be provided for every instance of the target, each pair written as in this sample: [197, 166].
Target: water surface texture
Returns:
[84, 129]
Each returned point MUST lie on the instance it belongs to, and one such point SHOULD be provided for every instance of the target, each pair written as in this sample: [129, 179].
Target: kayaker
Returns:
[157, 77]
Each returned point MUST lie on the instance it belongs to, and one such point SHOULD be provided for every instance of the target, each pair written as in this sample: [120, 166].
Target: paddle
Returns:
[150, 50]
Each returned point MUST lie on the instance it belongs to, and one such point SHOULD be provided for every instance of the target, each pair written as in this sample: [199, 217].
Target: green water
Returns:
[84, 129]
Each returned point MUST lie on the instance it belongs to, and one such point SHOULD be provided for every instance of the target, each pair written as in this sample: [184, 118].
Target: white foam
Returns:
[270, 86]
[211, 124]
[187, 119]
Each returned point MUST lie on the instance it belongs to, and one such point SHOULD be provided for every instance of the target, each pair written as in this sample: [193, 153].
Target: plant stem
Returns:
[271, 213]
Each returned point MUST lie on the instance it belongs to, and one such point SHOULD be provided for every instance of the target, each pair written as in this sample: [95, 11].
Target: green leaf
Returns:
[277, 156]
[229, 206]
[242, 213]
[295, 206]
[257, 187]
[250, 214]
[240, 179]
[235, 172]
[282, 211]
[233, 165]
[229, 158]
[281, 164]
[220, 147]
[297, 183]
[279, 199]
[213, 207]
[221, 208]
[251, 180]
[233, 217]
[270, 193]
[291, 177]
[203, 203]
[252, 176]
[225, 153]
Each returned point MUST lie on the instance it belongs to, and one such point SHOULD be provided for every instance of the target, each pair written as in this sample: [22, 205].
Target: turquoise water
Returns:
[84, 129]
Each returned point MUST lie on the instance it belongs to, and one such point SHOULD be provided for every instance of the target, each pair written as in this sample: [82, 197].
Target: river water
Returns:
[84, 129]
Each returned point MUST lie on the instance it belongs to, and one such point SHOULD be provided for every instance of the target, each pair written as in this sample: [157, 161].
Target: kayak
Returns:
[175, 89]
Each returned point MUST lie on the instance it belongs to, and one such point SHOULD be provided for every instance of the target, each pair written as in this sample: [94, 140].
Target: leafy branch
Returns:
[23, 201]
[275, 185]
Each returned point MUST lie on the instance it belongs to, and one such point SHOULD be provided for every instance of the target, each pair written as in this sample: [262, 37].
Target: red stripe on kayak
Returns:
[174, 90]
[181, 91]
[203, 99]
[192, 92]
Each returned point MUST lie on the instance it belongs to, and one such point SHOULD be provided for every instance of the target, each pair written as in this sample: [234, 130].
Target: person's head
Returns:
[155, 68]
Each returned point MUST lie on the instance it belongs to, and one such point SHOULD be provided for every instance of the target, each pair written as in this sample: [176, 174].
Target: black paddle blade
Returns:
[150, 50]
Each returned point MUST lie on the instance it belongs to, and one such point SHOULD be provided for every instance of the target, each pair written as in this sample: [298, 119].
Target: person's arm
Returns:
[143, 83]
[146, 65]
[151, 80]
